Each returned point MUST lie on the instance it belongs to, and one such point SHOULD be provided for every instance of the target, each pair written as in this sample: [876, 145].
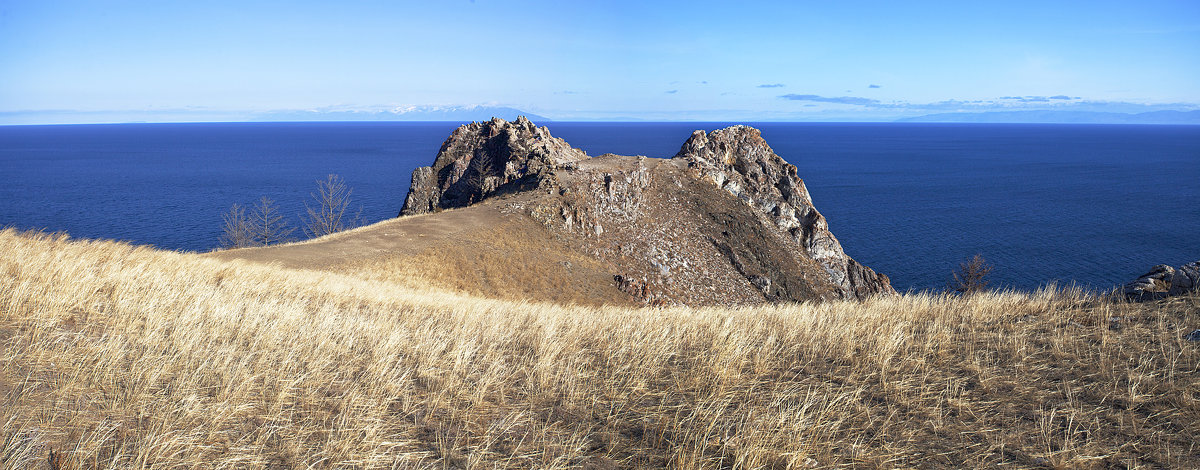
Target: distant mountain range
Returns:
[464, 114]
[461, 114]
[407, 113]
[1064, 117]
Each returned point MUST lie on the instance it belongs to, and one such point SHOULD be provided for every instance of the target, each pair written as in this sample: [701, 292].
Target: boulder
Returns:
[1185, 279]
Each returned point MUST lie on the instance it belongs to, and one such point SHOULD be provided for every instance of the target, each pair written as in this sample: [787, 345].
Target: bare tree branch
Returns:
[268, 226]
[481, 168]
[236, 230]
[971, 276]
[332, 201]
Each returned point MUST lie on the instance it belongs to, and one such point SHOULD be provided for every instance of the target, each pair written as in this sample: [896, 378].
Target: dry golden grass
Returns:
[124, 357]
[498, 263]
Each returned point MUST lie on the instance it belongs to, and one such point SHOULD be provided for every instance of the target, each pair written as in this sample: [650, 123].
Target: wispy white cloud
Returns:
[853, 100]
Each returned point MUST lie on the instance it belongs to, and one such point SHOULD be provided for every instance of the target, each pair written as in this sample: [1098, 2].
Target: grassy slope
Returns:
[473, 250]
[116, 357]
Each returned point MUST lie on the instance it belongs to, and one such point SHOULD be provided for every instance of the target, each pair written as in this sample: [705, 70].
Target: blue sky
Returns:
[806, 61]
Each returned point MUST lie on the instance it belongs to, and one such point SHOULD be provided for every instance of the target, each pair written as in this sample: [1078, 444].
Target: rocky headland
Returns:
[726, 221]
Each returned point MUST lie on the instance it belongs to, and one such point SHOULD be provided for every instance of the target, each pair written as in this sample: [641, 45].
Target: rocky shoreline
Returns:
[1164, 281]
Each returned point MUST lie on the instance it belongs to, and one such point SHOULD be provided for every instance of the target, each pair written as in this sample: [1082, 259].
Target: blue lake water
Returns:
[1094, 204]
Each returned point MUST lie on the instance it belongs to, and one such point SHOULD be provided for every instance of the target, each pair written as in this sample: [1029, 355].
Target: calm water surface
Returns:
[1094, 204]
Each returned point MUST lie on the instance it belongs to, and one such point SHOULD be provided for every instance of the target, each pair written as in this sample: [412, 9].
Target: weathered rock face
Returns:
[1164, 281]
[1186, 279]
[738, 160]
[725, 222]
[479, 159]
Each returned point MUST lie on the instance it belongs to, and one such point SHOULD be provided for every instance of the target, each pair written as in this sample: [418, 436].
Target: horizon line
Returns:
[605, 121]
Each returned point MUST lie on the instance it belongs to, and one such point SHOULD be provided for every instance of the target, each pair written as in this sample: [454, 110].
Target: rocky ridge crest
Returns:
[726, 221]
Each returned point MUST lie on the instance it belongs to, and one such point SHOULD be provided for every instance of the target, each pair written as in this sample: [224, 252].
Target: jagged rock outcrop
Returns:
[738, 160]
[481, 158]
[726, 221]
[1164, 281]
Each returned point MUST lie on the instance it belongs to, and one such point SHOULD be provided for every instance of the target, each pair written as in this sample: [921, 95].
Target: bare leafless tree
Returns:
[332, 202]
[268, 227]
[480, 169]
[236, 230]
[971, 276]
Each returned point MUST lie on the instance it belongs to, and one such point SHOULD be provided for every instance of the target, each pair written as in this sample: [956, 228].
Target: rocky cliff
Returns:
[479, 159]
[726, 221]
[738, 160]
